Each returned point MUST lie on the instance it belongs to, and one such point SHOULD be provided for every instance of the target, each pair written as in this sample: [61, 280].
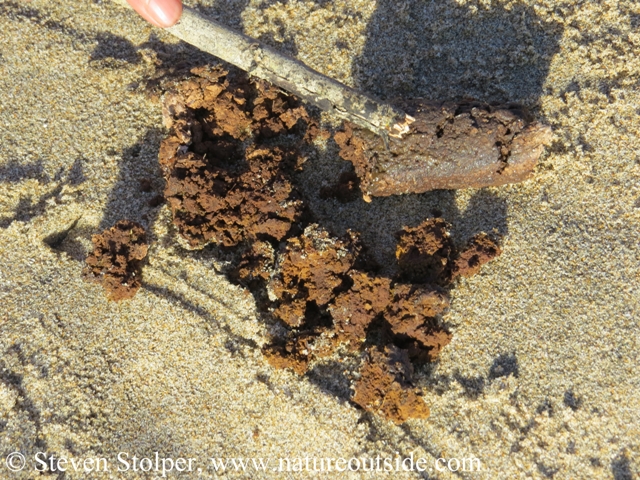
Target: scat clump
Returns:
[116, 260]
[448, 146]
[326, 302]
[354, 310]
[385, 386]
[312, 266]
[412, 317]
[229, 180]
[211, 203]
[223, 184]
[424, 252]
[480, 250]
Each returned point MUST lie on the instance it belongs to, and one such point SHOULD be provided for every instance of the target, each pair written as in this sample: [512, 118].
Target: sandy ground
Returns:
[541, 378]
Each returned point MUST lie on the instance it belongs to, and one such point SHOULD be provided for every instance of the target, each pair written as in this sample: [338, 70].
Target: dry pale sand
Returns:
[541, 378]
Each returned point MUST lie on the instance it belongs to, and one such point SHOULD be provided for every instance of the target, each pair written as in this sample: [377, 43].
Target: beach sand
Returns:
[541, 377]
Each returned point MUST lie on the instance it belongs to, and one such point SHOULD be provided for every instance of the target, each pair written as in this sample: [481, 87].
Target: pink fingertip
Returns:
[165, 13]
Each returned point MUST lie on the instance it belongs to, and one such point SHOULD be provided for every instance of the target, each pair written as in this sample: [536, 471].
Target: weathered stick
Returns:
[292, 75]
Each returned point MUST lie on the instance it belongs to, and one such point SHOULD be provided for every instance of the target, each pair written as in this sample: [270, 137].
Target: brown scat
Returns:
[314, 132]
[354, 309]
[257, 263]
[423, 252]
[299, 349]
[218, 189]
[385, 386]
[411, 316]
[210, 203]
[312, 265]
[480, 250]
[286, 356]
[221, 190]
[449, 146]
[352, 149]
[274, 111]
[116, 259]
[292, 311]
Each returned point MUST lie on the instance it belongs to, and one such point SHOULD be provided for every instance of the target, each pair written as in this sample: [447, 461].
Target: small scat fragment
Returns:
[257, 263]
[355, 309]
[411, 316]
[116, 260]
[299, 349]
[385, 386]
[480, 250]
[423, 252]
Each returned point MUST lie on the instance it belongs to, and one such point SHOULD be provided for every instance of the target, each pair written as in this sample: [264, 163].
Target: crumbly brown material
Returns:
[426, 253]
[323, 299]
[228, 182]
[218, 188]
[423, 252]
[258, 263]
[116, 259]
[355, 309]
[315, 278]
[385, 386]
[480, 250]
[312, 266]
[412, 317]
[209, 203]
[297, 350]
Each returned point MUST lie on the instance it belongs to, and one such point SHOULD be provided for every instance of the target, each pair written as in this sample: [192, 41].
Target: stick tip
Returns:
[401, 128]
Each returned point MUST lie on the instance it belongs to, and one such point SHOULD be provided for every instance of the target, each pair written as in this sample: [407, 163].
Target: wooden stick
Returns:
[264, 62]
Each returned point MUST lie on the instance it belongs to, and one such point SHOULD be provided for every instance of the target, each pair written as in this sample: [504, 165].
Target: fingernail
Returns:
[165, 12]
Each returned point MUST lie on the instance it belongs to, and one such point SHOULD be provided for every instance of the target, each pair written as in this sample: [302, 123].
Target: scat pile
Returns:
[229, 180]
[328, 303]
[222, 184]
[211, 203]
[116, 259]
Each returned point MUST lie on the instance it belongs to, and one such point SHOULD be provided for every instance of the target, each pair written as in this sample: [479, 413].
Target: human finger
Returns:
[161, 13]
